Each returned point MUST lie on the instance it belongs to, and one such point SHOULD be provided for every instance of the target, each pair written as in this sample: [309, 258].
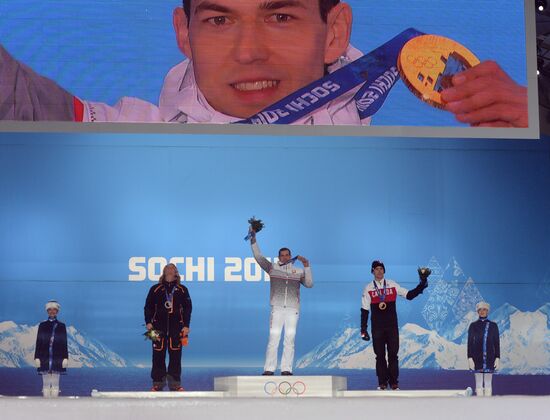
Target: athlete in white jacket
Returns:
[285, 282]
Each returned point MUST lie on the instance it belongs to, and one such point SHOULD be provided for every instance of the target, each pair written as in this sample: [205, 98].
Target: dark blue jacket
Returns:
[476, 339]
[169, 321]
[59, 346]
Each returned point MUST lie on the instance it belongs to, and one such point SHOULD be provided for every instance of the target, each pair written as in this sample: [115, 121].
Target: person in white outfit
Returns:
[51, 356]
[285, 281]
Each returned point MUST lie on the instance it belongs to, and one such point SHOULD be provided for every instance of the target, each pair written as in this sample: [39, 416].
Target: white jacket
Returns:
[285, 280]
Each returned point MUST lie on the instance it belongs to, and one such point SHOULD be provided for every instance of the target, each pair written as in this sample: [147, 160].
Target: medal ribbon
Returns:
[169, 296]
[381, 295]
[292, 260]
[250, 235]
[378, 68]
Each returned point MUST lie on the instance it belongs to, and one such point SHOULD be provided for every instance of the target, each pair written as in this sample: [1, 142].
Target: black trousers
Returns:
[382, 339]
[159, 373]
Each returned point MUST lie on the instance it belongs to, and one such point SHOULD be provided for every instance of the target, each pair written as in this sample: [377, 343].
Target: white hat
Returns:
[482, 305]
[53, 304]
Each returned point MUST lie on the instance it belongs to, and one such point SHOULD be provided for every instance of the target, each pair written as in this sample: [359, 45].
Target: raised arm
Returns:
[423, 273]
[27, 96]
[260, 259]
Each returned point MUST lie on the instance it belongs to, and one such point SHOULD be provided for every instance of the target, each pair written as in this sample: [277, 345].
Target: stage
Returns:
[228, 408]
[284, 387]
[277, 397]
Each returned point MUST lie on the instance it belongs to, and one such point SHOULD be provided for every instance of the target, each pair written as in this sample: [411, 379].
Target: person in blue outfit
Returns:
[483, 350]
[51, 355]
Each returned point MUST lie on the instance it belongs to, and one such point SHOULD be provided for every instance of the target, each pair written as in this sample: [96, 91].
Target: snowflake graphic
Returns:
[439, 304]
[441, 297]
[467, 299]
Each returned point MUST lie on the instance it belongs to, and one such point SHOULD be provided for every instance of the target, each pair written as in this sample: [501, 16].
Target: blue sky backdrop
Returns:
[75, 208]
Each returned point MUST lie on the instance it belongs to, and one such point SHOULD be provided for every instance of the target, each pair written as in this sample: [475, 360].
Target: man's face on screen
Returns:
[247, 54]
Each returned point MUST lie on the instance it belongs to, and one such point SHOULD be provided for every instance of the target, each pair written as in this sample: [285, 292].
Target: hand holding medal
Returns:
[427, 64]
[446, 75]
[256, 225]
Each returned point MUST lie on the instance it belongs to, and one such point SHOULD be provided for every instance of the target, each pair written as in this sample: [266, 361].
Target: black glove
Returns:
[365, 336]
[424, 273]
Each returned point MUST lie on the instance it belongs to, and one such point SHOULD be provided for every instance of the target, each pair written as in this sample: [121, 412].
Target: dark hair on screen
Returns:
[324, 6]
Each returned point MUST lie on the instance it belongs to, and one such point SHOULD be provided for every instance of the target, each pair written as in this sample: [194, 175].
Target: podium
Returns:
[284, 387]
[280, 386]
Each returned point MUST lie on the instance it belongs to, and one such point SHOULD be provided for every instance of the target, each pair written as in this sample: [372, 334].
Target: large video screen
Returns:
[366, 66]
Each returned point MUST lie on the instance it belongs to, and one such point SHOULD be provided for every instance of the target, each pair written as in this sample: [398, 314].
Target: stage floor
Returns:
[228, 408]
[284, 387]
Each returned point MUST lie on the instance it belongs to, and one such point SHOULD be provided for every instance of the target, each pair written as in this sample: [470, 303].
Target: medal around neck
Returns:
[427, 64]
[381, 295]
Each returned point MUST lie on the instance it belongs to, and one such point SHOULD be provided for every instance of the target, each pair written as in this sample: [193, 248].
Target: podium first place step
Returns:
[281, 386]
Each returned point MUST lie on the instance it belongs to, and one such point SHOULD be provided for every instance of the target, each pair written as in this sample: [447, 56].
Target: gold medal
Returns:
[382, 305]
[427, 64]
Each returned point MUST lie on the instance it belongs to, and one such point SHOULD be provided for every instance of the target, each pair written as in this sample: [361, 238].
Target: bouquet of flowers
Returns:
[152, 335]
[256, 225]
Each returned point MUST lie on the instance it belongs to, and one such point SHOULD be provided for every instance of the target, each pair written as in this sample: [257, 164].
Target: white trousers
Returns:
[50, 385]
[287, 318]
[484, 384]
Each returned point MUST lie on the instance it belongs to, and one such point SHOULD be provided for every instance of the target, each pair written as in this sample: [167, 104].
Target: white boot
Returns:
[54, 392]
[488, 392]
[479, 392]
[46, 392]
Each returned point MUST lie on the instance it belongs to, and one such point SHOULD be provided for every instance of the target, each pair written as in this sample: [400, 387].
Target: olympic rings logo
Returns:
[284, 388]
[422, 62]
